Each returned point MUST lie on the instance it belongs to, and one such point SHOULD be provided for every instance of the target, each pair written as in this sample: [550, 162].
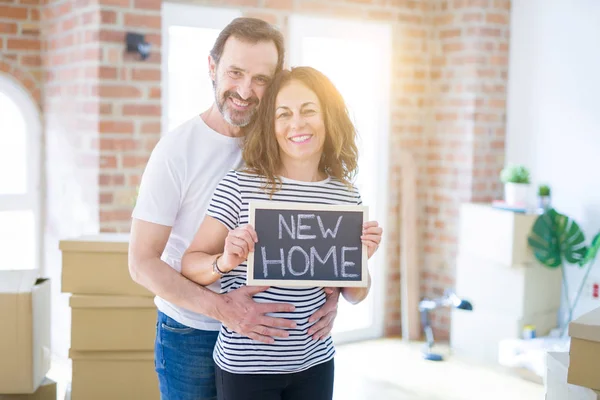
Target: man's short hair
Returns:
[252, 30]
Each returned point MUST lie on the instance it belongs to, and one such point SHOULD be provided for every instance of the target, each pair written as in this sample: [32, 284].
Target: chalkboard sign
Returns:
[307, 245]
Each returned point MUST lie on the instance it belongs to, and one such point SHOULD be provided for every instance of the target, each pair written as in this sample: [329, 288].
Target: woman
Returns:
[301, 148]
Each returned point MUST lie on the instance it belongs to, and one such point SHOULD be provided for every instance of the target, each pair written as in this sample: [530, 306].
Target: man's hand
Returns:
[325, 315]
[240, 313]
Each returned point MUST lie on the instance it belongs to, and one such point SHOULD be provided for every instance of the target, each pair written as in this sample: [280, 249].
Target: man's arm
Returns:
[146, 245]
[237, 310]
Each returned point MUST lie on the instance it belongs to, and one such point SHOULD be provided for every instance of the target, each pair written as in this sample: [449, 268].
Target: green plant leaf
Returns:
[592, 251]
[555, 238]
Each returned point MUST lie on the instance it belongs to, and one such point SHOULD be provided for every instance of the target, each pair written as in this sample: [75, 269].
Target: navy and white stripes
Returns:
[239, 354]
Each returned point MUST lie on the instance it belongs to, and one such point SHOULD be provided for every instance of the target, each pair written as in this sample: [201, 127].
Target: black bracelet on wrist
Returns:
[216, 268]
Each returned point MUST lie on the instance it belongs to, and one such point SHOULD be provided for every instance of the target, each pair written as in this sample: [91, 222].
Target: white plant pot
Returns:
[516, 194]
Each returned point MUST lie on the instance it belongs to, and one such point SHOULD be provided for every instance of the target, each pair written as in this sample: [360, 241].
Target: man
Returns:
[179, 180]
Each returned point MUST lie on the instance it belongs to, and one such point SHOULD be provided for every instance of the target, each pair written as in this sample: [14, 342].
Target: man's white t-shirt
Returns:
[181, 175]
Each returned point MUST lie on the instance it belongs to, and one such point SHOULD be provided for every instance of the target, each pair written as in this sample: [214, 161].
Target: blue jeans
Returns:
[183, 359]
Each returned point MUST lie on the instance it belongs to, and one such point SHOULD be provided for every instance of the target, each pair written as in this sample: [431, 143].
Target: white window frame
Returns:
[309, 26]
[32, 199]
[175, 14]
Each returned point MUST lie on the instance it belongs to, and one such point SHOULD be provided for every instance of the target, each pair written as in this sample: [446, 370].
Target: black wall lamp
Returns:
[136, 44]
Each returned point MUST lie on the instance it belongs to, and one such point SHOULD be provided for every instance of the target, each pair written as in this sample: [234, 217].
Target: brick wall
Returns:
[20, 44]
[465, 145]
[70, 60]
[129, 106]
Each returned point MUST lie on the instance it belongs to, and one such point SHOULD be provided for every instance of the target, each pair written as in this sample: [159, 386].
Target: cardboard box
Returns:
[494, 234]
[555, 381]
[584, 352]
[114, 375]
[534, 288]
[112, 323]
[97, 264]
[25, 333]
[46, 391]
[477, 334]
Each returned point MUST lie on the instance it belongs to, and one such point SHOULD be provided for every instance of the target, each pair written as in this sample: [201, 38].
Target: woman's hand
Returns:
[238, 243]
[371, 236]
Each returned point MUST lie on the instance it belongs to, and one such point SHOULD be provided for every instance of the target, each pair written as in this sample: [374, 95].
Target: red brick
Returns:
[472, 17]
[118, 144]
[107, 72]
[485, 32]
[106, 198]
[381, 15]
[108, 17]
[9, 12]
[155, 93]
[450, 33]
[115, 3]
[8, 27]
[147, 4]
[242, 3]
[453, 47]
[445, 19]
[111, 180]
[142, 21]
[145, 74]
[31, 60]
[106, 108]
[117, 91]
[108, 161]
[151, 128]
[492, 18]
[134, 180]
[30, 29]
[115, 215]
[134, 161]
[150, 110]
[410, 18]
[34, 14]
[499, 60]
[108, 35]
[23, 44]
[115, 127]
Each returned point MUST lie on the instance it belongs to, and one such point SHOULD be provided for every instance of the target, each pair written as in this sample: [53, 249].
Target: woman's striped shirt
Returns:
[239, 354]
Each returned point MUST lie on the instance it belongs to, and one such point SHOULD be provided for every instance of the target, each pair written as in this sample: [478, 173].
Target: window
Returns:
[356, 57]
[189, 33]
[20, 130]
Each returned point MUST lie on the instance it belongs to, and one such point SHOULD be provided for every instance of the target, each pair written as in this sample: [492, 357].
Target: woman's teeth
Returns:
[300, 139]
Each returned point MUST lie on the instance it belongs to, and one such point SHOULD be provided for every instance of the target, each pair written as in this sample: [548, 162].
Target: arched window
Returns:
[20, 138]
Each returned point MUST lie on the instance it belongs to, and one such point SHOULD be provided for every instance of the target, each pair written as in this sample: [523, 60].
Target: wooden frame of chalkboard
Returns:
[325, 248]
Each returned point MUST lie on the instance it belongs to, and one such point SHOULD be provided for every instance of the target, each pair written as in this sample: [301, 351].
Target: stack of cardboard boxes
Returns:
[497, 272]
[576, 375]
[113, 321]
[25, 336]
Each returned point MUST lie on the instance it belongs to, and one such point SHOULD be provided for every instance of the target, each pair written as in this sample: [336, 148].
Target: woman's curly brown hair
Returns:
[340, 153]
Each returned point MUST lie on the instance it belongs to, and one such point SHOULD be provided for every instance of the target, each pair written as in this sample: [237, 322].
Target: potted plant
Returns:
[558, 241]
[516, 184]
[544, 197]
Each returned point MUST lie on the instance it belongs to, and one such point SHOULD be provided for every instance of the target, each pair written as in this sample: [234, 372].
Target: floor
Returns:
[390, 369]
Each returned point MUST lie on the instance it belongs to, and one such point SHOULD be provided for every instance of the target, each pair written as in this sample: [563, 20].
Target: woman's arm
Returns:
[214, 241]
[208, 243]
[355, 295]
[371, 237]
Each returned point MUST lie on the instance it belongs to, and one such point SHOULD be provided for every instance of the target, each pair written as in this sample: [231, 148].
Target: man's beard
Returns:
[232, 116]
